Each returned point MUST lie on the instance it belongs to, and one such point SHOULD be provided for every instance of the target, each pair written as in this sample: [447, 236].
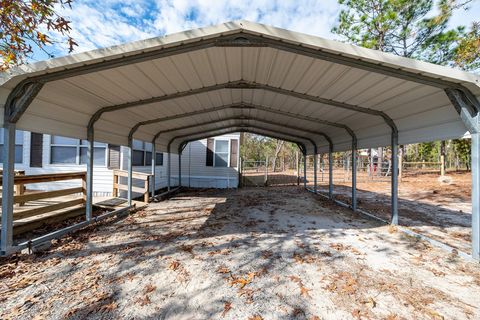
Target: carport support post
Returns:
[7, 187]
[130, 171]
[467, 109]
[154, 157]
[305, 170]
[180, 167]
[354, 175]
[475, 195]
[394, 220]
[89, 182]
[168, 168]
[315, 171]
[330, 173]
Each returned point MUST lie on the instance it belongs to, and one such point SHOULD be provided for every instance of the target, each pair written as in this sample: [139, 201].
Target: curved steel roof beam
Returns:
[243, 106]
[242, 84]
[215, 132]
[241, 117]
[289, 136]
[329, 140]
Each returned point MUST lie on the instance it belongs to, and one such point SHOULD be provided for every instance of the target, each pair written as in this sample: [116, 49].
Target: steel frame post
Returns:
[330, 173]
[305, 170]
[8, 186]
[179, 168]
[130, 171]
[265, 180]
[315, 172]
[394, 180]
[354, 175]
[475, 195]
[169, 158]
[467, 108]
[154, 157]
[89, 182]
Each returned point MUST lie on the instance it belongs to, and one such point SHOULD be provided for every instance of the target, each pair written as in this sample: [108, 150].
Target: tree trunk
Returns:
[442, 158]
[380, 161]
[278, 148]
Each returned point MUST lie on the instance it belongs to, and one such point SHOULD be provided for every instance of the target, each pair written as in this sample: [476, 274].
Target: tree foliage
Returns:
[420, 30]
[257, 148]
[468, 49]
[414, 29]
[25, 25]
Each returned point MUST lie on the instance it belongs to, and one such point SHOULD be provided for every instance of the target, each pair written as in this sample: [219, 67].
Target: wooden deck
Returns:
[66, 209]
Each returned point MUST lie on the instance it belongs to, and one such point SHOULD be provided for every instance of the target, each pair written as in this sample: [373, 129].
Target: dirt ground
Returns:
[254, 253]
[436, 207]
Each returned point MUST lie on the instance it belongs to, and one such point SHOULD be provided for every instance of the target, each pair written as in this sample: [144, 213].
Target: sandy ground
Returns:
[277, 253]
[436, 207]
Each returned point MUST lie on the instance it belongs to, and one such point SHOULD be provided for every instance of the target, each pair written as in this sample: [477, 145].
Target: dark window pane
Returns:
[64, 140]
[18, 154]
[137, 145]
[221, 146]
[221, 159]
[148, 158]
[63, 155]
[159, 159]
[18, 137]
[138, 158]
[98, 156]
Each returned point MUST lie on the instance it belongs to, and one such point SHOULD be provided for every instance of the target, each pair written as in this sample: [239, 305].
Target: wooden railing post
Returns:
[84, 188]
[146, 195]
[115, 184]
[145, 189]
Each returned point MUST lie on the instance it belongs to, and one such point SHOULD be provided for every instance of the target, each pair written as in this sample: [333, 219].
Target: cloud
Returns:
[308, 16]
[97, 24]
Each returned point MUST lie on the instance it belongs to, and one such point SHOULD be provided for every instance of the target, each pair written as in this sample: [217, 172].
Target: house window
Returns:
[159, 159]
[65, 150]
[18, 146]
[221, 153]
[142, 153]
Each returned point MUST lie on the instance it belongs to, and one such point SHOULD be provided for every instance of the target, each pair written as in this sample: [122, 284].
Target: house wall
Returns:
[194, 171]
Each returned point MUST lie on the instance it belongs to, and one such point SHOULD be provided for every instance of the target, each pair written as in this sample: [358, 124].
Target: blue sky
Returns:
[102, 23]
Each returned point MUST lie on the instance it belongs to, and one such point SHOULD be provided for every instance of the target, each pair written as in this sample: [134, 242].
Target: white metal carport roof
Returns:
[240, 75]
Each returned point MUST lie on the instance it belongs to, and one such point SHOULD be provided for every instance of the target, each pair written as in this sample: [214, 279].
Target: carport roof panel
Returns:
[242, 26]
[286, 77]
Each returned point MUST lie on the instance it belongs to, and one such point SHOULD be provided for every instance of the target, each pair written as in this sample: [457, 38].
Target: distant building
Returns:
[41, 153]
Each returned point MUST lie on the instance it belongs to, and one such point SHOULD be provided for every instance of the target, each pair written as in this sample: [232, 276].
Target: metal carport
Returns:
[324, 95]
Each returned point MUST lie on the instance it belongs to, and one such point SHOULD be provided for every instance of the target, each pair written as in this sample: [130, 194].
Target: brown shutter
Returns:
[209, 162]
[36, 150]
[113, 156]
[233, 153]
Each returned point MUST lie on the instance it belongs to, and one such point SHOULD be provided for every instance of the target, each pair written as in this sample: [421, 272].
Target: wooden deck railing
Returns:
[145, 177]
[20, 198]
